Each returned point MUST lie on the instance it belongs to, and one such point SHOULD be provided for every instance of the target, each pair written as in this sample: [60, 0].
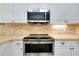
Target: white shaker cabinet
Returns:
[17, 48]
[58, 13]
[6, 13]
[66, 48]
[61, 48]
[11, 48]
[75, 48]
[5, 49]
[20, 13]
[72, 12]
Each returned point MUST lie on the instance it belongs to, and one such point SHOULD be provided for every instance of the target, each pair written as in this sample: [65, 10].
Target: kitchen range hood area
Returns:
[50, 30]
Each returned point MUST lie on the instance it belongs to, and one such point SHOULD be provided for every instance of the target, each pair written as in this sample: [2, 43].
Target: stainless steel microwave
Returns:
[38, 15]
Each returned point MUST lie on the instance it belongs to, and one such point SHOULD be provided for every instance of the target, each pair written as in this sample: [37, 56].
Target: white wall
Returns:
[59, 11]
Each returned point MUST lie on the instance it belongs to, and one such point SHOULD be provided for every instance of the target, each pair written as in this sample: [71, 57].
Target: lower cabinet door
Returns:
[75, 52]
[17, 52]
[17, 48]
[62, 48]
[67, 48]
[64, 51]
[5, 49]
[20, 51]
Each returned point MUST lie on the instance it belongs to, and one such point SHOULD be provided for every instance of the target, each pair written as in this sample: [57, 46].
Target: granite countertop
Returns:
[19, 31]
[56, 37]
[66, 37]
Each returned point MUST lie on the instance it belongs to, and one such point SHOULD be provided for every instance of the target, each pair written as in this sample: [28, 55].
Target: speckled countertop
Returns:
[19, 31]
[56, 37]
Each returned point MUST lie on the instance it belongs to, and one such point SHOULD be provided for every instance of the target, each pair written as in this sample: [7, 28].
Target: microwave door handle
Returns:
[45, 15]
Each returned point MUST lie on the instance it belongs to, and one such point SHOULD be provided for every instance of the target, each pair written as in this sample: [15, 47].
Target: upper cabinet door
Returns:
[15, 12]
[21, 11]
[6, 12]
[58, 13]
[73, 12]
[43, 5]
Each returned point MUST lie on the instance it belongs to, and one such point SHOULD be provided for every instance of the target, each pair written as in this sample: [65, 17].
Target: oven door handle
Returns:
[38, 42]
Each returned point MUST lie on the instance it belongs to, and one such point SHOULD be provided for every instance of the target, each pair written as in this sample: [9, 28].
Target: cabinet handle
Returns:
[18, 43]
[21, 49]
[77, 42]
[62, 43]
[71, 48]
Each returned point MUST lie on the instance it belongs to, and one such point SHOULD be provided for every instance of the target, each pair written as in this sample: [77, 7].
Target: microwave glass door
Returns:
[36, 15]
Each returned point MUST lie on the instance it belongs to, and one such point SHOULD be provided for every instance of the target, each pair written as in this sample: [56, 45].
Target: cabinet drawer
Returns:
[62, 43]
[17, 48]
[63, 52]
[17, 43]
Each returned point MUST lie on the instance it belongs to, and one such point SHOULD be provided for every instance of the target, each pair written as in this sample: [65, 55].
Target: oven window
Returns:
[38, 48]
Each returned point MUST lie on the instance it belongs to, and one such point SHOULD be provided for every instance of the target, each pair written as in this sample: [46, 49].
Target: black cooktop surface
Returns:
[38, 37]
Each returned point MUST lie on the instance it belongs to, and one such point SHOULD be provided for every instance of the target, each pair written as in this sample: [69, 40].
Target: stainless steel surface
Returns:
[32, 42]
[35, 19]
[38, 39]
[38, 54]
[38, 20]
[38, 10]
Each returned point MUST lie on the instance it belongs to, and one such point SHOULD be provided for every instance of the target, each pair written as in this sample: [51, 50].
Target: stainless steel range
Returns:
[38, 45]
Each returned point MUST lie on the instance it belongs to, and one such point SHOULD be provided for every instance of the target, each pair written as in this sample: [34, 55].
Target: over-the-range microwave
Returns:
[38, 15]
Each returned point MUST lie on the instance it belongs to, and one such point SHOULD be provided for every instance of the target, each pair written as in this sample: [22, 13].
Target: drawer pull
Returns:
[62, 43]
[21, 49]
[71, 48]
[18, 43]
[77, 42]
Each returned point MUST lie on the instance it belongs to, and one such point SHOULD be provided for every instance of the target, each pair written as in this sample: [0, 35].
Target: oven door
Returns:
[38, 48]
